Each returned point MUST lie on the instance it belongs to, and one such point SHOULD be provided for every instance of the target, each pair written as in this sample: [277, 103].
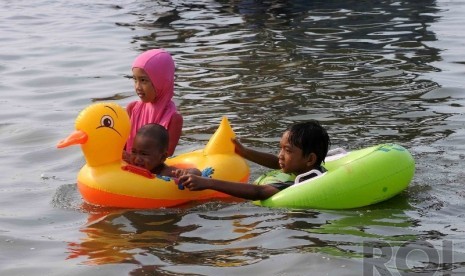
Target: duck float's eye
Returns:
[107, 121]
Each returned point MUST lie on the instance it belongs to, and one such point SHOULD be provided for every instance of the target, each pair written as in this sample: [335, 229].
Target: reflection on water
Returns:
[223, 235]
[116, 237]
[219, 235]
[367, 70]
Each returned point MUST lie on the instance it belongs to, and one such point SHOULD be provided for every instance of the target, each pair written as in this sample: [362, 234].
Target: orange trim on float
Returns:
[102, 198]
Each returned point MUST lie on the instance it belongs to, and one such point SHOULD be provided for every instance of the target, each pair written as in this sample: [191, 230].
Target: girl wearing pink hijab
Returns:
[153, 74]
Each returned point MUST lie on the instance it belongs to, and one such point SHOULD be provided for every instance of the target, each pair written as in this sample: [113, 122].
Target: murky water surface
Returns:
[370, 72]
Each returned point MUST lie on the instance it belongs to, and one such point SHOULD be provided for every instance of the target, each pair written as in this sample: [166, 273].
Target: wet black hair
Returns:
[310, 137]
[156, 132]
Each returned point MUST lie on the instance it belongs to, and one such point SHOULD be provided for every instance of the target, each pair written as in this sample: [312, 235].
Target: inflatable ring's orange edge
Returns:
[103, 198]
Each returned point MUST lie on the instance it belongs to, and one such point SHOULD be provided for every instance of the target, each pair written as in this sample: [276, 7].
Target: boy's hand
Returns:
[180, 172]
[194, 182]
[238, 147]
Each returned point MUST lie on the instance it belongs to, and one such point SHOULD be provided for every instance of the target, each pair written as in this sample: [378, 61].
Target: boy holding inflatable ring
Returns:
[303, 148]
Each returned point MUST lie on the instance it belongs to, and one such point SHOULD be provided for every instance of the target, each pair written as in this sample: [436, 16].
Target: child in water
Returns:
[303, 148]
[153, 74]
[150, 150]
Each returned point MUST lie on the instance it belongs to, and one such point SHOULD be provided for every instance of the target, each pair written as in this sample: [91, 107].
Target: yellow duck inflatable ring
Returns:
[106, 180]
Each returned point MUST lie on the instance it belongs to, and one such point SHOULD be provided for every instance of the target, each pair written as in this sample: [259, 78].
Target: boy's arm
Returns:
[242, 190]
[262, 158]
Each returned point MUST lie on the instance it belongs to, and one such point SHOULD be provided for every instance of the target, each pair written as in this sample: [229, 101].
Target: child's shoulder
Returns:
[275, 176]
[130, 106]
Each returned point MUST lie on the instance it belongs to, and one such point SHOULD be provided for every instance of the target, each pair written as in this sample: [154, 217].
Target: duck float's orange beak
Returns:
[77, 137]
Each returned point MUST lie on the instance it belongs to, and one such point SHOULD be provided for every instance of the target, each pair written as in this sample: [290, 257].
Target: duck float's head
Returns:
[102, 130]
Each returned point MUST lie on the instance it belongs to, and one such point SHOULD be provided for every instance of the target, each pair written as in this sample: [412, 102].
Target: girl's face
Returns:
[143, 86]
[146, 153]
[291, 159]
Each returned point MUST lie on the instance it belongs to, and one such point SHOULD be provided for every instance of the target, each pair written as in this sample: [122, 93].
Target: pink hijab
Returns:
[159, 66]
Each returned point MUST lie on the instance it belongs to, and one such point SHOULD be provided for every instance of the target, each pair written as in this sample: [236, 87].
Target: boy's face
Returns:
[143, 86]
[291, 159]
[146, 153]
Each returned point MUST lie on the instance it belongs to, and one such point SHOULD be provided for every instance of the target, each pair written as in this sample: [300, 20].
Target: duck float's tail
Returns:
[218, 156]
[220, 142]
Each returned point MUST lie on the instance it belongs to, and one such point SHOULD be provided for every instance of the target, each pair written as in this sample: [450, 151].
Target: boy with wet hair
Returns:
[303, 148]
[150, 150]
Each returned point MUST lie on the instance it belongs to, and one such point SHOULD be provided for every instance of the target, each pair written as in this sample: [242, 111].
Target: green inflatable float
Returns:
[353, 179]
